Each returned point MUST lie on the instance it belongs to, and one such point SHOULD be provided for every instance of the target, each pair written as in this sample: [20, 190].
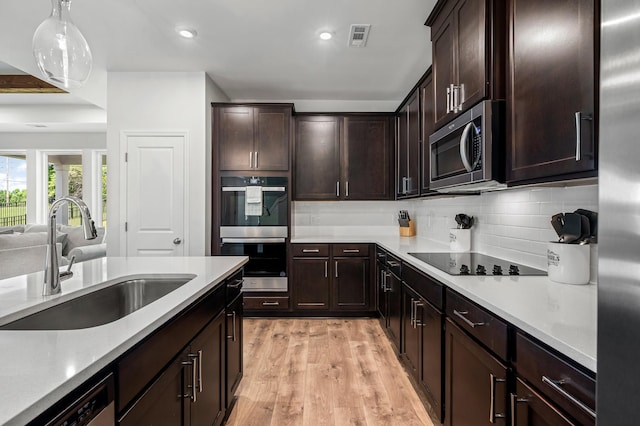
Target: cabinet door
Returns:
[443, 50]
[310, 283]
[411, 336]
[427, 111]
[429, 322]
[402, 151]
[167, 401]
[317, 158]
[530, 408]
[381, 272]
[366, 158]
[271, 138]
[542, 136]
[408, 147]
[394, 294]
[470, 52]
[235, 138]
[351, 290]
[208, 349]
[234, 333]
[475, 382]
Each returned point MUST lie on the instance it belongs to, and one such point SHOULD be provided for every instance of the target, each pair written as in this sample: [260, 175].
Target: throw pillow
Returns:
[6, 232]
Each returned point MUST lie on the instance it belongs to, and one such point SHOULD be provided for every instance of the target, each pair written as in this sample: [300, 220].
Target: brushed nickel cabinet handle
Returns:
[579, 118]
[514, 407]
[256, 160]
[351, 251]
[337, 188]
[461, 315]
[347, 189]
[326, 269]
[492, 410]
[200, 384]
[336, 269]
[557, 386]
[448, 100]
[311, 250]
[270, 303]
[251, 159]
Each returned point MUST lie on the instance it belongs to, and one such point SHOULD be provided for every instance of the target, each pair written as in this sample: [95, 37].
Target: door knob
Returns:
[177, 241]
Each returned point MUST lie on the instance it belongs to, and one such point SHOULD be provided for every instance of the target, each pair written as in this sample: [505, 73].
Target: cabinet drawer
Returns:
[555, 377]
[341, 250]
[265, 303]
[381, 254]
[310, 250]
[480, 323]
[431, 290]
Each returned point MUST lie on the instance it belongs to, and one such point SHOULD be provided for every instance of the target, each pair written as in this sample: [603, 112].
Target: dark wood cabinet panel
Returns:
[235, 138]
[427, 116]
[343, 157]
[351, 280]
[468, 40]
[234, 334]
[430, 322]
[475, 382]
[531, 408]
[552, 52]
[208, 350]
[165, 401]
[317, 158]
[366, 158]
[271, 135]
[470, 51]
[408, 148]
[411, 337]
[252, 137]
[394, 309]
[310, 279]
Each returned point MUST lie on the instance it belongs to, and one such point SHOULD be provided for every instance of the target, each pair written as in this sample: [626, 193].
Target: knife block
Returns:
[408, 231]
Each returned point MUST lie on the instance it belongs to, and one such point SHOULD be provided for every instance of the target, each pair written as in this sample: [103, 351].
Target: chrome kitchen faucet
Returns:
[52, 276]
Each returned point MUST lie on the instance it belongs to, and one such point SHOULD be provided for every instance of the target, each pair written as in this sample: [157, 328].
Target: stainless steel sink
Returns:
[99, 307]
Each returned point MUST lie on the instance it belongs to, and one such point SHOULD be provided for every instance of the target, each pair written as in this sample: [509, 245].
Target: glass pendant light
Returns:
[61, 51]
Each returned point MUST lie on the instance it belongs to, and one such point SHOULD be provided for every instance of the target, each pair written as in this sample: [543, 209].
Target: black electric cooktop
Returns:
[475, 264]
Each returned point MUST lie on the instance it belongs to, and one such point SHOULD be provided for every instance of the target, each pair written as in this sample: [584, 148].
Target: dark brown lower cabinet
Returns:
[351, 284]
[381, 288]
[528, 407]
[394, 308]
[422, 345]
[311, 283]
[190, 391]
[234, 333]
[475, 382]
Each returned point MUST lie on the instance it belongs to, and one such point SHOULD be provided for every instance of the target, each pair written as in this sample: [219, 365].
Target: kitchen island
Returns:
[38, 368]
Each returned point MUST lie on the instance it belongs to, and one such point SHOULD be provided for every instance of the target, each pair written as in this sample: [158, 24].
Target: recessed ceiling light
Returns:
[186, 32]
[326, 35]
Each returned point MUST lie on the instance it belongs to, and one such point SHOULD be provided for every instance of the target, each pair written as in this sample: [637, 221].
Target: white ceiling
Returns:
[254, 50]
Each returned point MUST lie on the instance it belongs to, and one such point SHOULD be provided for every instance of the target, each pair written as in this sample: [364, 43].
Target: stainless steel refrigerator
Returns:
[618, 375]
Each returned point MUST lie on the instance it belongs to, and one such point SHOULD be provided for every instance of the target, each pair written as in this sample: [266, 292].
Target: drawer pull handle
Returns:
[270, 303]
[311, 250]
[393, 264]
[557, 386]
[351, 251]
[236, 284]
[492, 410]
[461, 315]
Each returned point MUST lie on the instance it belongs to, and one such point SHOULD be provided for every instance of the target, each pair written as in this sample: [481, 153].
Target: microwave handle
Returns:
[464, 155]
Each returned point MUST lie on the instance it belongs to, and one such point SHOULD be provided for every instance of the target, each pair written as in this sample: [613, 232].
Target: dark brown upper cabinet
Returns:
[343, 157]
[468, 45]
[552, 90]
[408, 147]
[252, 137]
[427, 117]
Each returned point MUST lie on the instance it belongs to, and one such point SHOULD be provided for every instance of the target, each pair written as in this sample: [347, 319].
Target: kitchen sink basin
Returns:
[100, 307]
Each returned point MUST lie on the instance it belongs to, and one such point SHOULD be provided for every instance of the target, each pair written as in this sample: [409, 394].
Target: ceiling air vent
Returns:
[358, 34]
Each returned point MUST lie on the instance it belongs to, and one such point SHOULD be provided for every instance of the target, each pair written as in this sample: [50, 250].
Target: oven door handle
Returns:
[464, 155]
[253, 240]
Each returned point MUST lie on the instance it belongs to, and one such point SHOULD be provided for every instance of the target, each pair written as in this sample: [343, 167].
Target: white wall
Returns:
[55, 141]
[513, 224]
[156, 101]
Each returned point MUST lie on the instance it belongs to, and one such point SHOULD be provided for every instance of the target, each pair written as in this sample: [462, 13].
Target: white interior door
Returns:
[155, 195]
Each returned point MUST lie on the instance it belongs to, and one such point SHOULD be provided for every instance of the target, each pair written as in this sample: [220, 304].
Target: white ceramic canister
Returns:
[460, 240]
[569, 263]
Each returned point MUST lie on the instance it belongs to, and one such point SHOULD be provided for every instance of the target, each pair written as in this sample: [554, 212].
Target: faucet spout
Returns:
[52, 267]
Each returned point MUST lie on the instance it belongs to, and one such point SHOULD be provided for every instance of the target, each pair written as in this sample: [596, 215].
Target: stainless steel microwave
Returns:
[467, 155]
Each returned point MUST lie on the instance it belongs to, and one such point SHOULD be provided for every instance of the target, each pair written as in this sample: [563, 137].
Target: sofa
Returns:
[23, 248]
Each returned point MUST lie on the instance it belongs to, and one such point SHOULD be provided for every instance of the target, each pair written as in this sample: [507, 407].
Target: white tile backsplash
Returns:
[514, 224]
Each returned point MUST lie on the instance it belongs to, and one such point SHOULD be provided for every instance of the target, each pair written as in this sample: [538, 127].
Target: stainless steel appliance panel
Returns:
[274, 206]
[618, 381]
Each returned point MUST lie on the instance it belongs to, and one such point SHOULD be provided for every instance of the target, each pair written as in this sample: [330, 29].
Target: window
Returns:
[13, 189]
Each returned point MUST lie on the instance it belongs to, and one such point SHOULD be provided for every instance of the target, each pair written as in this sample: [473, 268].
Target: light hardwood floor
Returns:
[323, 372]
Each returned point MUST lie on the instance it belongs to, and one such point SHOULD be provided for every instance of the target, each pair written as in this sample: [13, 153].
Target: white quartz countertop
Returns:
[38, 368]
[560, 315]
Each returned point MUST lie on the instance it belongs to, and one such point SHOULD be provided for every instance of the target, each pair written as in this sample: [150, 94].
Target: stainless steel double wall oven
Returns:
[254, 212]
